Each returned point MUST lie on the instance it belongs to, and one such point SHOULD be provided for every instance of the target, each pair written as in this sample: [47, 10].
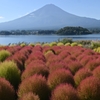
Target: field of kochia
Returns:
[49, 72]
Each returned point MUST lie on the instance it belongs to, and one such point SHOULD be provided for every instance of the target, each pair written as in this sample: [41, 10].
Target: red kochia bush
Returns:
[96, 72]
[35, 84]
[89, 89]
[64, 92]
[64, 54]
[74, 66]
[6, 90]
[30, 96]
[35, 69]
[59, 76]
[81, 74]
[57, 65]
[85, 59]
[92, 64]
[35, 62]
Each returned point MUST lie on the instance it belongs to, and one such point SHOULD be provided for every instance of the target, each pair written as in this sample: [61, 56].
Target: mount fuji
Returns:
[49, 17]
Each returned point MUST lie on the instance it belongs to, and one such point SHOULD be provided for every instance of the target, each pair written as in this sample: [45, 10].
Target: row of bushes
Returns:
[50, 73]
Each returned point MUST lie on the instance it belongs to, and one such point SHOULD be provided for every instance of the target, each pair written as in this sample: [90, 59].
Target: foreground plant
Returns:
[35, 84]
[64, 92]
[89, 89]
[10, 72]
[30, 96]
[6, 90]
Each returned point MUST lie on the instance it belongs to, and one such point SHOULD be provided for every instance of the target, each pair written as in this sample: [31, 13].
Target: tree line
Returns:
[62, 31]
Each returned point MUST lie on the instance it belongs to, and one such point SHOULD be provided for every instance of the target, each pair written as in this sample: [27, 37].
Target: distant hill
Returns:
[49, 17]
[73, 31]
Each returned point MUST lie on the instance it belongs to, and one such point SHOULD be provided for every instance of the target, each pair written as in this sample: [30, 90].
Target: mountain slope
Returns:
[49, 17]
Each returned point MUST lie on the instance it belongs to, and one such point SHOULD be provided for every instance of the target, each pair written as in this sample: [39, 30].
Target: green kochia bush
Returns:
[30, 96]
[35, 84]
[6, 90]
[64, 92]
[10, 72]
[89, 89]
[4, 54]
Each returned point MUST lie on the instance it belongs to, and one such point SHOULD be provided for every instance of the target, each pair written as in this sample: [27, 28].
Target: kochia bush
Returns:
[81, 74]
[35, 69]
[4, 54]
[96, 72]
[30, 96]
[9, 71]
[92, 64]
[58, 77]
[57, 65]
[74, 66]
[6, 90]
[64, 92]
[89, 89]
[35, 84]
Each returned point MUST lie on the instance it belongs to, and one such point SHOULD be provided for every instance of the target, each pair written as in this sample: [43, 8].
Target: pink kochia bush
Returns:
[59, 76]
[35, 84]
[81, 74]
[89, 89]
[30, 96]
[64, 92]
[6, 90]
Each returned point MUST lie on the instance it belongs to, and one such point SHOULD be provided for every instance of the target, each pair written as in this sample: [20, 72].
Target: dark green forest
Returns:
[73, 31]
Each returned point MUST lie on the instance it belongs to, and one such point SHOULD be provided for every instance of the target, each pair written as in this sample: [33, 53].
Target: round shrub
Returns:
[6, 90]
[59, 76]
[60, 44]
[35, 69]
[64, 92]
[92, 64]
[85, 60]
[96, 72]
[74, 66]
[89, 89]
[68, 44]
[53, 44]
[57, 65]
[29, 96]
[81, 74]
[4, 54]
[74, 44]
[10, 72]
[35, 84]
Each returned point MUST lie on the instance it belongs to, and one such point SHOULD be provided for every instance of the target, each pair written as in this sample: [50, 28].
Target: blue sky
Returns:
[12, 9]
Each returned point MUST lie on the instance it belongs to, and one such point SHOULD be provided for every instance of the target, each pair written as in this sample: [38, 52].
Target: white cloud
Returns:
[1, 17]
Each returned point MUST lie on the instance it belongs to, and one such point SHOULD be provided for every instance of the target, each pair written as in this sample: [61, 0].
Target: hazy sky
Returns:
[12, 9]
